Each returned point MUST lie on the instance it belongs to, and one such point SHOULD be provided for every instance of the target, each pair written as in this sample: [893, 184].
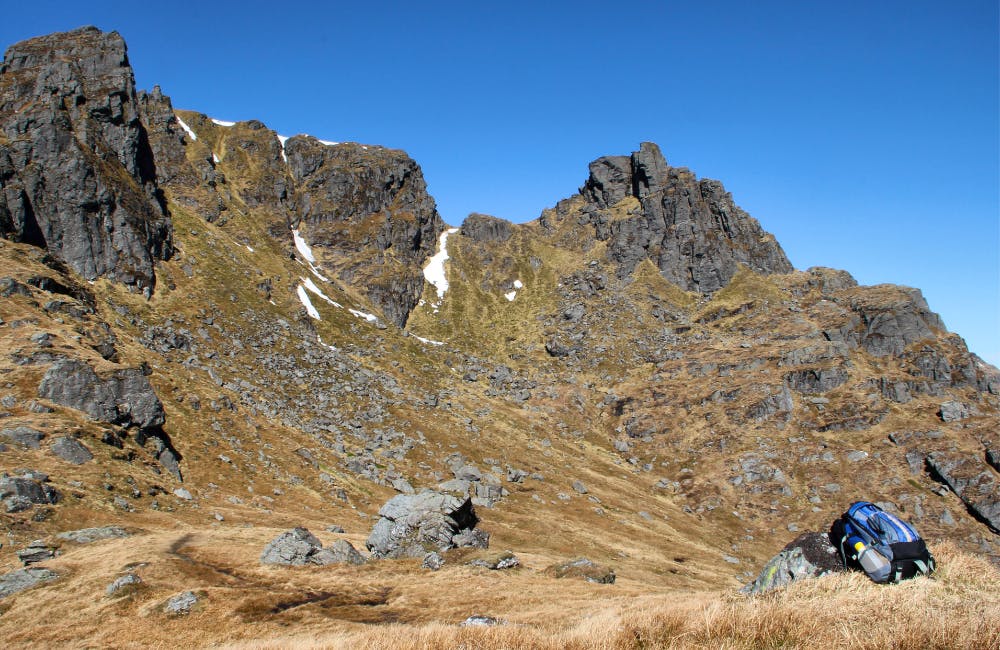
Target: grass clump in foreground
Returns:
[958, 608]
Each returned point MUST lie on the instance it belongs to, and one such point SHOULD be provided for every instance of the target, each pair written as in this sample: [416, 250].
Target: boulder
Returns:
[953, 411]
[123, 397]
[24, 436]
[125, 583]
[295, 547]
[37, 551]
[342, 551]
[411, 525]
[181, 603]
[810, 555]
[432, 561]
[71, 450]
[89, 535]
[15, 581]
[586, 569]
[505, 560]
[19, 493]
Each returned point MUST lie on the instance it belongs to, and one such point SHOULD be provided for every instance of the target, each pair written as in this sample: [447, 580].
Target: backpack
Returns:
[887, 548]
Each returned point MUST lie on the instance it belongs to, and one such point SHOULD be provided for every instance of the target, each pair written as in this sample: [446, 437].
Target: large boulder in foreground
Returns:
[810, 555]
[413, 525]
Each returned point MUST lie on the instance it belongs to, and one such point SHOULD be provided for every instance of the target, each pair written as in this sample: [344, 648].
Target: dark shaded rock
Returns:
[89, 535]
[485, 228]
[15, 581]
[973, 481]
[76, 169]
[124, 397]
[23, 436]
[584, 568]
[690, 229]
[818, 380]
[37, 551]
[810, 555]
[71, 450]
[123, 584]
[413, 525]
[366, 213]
[298, 547]
[22, 492]
[10, 286]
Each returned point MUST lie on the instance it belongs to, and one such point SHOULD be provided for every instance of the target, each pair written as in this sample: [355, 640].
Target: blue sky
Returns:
[864, 135]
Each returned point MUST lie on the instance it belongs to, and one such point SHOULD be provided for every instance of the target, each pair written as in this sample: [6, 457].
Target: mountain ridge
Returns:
[643, 338]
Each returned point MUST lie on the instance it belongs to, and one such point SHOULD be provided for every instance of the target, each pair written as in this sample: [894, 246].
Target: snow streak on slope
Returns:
[304, 299]
[434, 272]
[306, 252]
[222, 122]
[187, 129]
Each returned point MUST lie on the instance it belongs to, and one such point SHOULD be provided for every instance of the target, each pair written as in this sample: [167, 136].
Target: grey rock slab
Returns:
[71, 450]
[413, 525]
[432, 561]
[481, 621]
[89, 535]
[973, 480]
[586, 569]
[23, 436]
[15, 581]
[37, 551]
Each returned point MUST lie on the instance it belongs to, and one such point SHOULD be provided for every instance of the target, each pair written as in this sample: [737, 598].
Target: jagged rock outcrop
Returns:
[689, 228]
[485, 228]
[810, 555]
[367, 213]
[18, 493]
[413, 525]
[77, 174]
[124, 397]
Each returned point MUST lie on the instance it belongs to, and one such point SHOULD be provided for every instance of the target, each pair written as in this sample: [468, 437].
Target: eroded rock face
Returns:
[973, 480]
[810, 555]
[484, 228]
[689, 228]
[76, 170]
[367, 212]
[413, 525]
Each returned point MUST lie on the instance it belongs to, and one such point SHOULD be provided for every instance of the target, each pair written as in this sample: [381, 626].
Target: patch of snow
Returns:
[510, 295]
[434, 272]
[304, 299]
[215, 158]
[311, 286]
[249, 248]
[518, 284]
[371, 318]
[320, 339]
[327, 142]
[222, 122]
[187, 129]
[282, 139]
[428, 341]
[303, 247]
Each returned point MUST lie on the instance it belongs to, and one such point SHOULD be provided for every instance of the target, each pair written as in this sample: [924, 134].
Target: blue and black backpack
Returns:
[887, 548]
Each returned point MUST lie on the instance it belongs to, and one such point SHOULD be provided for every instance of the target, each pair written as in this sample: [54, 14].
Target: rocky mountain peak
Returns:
[689, 228]
[75, 161]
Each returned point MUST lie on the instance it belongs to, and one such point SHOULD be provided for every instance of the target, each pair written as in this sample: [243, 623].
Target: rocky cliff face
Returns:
[689, 228]
[76, 168]
[367, 210]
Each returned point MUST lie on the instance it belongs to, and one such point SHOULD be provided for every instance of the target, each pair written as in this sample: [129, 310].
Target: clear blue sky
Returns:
[864, 135]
